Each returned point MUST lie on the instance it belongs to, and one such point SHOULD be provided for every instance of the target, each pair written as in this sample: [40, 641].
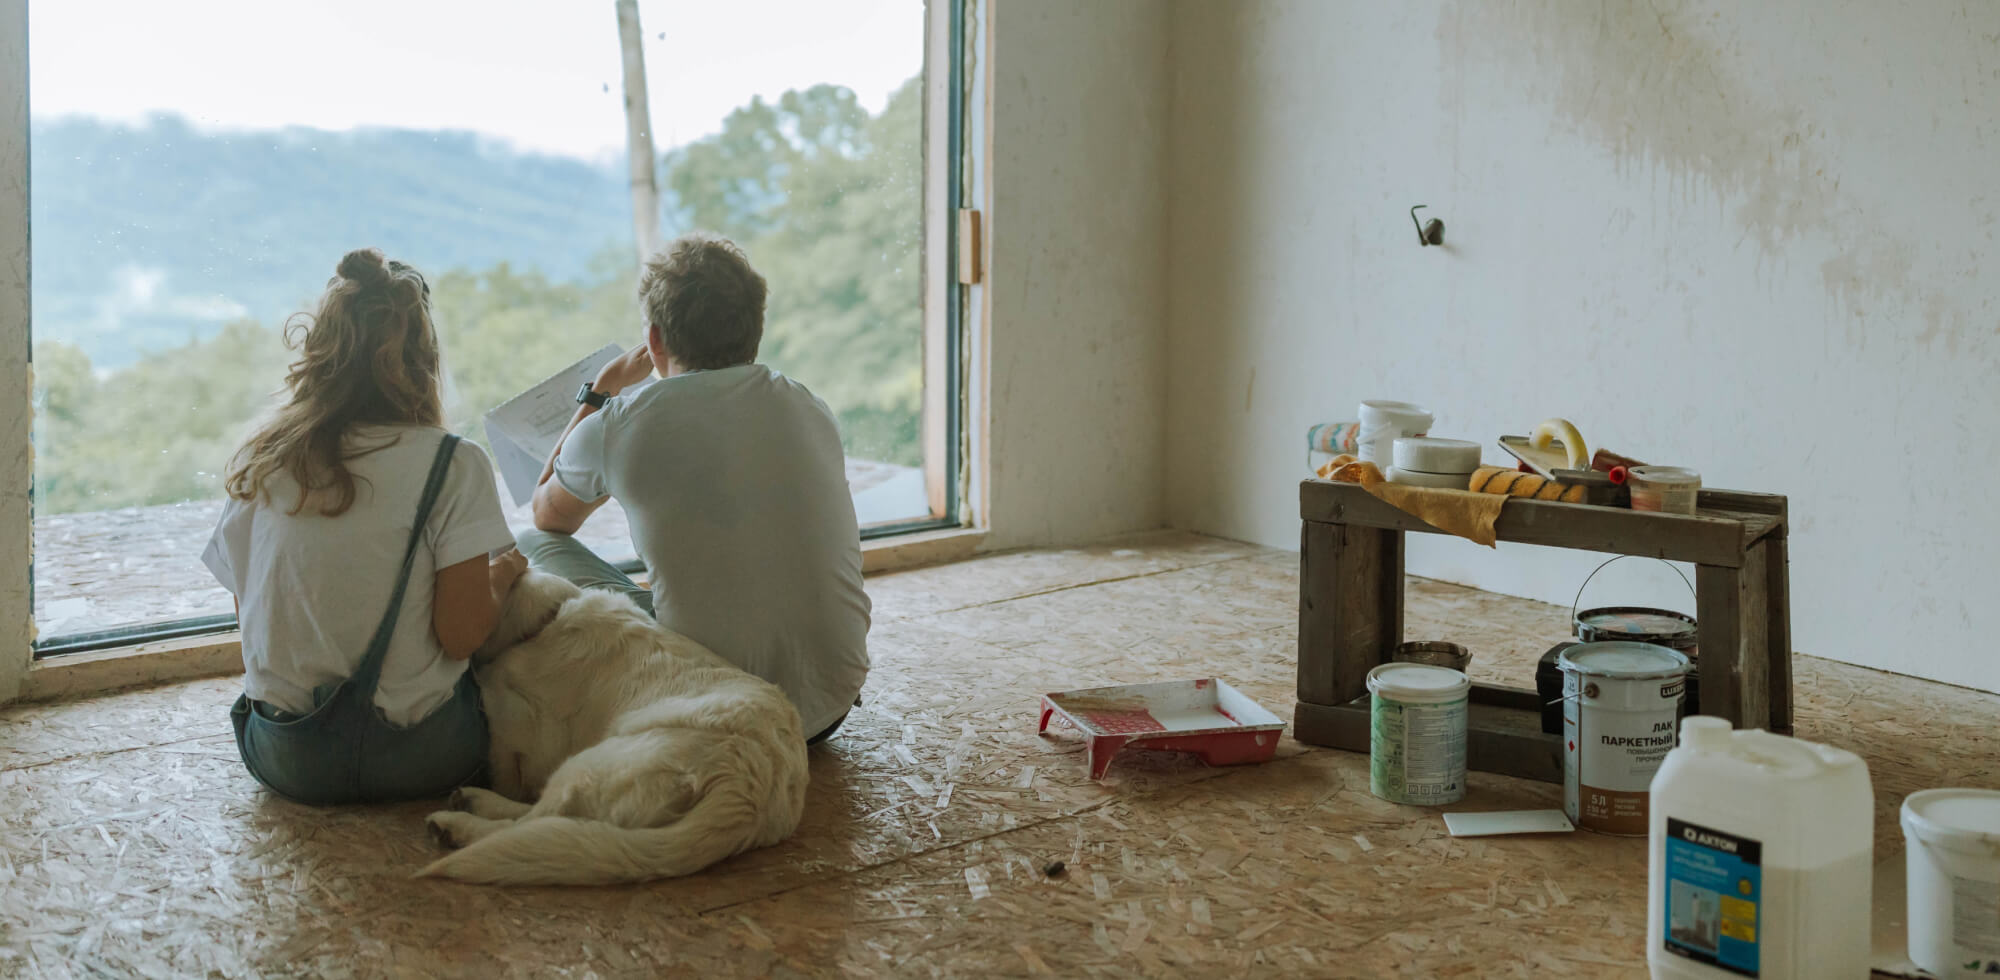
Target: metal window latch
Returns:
[969, 259]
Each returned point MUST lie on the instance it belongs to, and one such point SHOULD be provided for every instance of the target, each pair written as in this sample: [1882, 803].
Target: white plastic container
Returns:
[1621, 703]
[1954, 878]
[1435, 481]
[1761, 852]
[1383, 422]
[1416, 733]
[1666, 489]
[1429, 454]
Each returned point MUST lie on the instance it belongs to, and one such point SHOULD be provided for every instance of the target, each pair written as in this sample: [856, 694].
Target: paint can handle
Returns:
[1593, 574]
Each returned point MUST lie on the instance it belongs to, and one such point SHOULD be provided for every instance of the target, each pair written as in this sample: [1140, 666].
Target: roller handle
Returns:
[1606, 460]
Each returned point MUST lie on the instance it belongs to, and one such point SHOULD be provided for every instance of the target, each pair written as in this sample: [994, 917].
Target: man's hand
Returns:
[502, 571]
[624, 371]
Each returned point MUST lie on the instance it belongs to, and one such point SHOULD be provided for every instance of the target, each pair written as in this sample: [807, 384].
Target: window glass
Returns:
[177, 223]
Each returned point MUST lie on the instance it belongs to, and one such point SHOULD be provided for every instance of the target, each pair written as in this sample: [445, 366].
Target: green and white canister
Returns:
[1416, 733]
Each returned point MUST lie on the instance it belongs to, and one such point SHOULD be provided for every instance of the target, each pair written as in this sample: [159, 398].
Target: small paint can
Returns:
[1437, 653]
[1665, 489]
[1416, 733]
[1621, 707]
[1636, 624]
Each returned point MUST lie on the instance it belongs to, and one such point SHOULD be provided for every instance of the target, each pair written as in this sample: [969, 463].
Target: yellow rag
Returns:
[1468, 515]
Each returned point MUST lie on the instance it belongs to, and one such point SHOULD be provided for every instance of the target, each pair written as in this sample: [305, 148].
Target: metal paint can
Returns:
[1621, 708]
[1416, 733]
[1437, 653]
[1643, 624]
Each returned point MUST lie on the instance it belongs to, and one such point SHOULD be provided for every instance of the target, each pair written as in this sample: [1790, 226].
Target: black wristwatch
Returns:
[584, 396]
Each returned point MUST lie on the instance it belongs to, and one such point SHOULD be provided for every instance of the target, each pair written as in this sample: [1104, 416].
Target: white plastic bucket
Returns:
[1621, 704]
[1954, 878]
[1416, 733]
[1382, 423]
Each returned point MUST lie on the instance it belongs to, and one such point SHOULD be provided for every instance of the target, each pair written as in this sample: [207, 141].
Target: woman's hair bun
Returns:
[365, 266]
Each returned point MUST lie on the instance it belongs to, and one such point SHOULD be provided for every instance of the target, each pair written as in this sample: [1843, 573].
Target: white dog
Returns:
[648, 756]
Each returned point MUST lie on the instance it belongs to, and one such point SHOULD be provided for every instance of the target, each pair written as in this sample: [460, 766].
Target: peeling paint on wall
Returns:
[1658, 85]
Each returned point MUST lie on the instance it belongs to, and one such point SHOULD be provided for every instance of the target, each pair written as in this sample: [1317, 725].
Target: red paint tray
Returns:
[1206, 717]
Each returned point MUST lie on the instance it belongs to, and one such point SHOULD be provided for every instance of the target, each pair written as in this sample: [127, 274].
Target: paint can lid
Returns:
[1418, 683]
[1641, 623]
[1628, 661]
[1954, 819]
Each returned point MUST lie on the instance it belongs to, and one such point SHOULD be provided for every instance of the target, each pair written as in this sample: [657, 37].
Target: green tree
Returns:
[827, 200]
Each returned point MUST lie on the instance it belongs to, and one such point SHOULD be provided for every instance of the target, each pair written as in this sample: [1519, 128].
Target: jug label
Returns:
[1714, 884]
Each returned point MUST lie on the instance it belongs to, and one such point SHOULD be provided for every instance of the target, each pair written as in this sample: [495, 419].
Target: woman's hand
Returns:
[624, 371]
[503, 570]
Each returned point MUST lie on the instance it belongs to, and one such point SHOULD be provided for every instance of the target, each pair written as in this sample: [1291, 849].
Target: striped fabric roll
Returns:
[1333, 438]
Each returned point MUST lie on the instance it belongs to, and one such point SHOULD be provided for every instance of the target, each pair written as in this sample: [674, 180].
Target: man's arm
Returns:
[624, 371]
[556, 509]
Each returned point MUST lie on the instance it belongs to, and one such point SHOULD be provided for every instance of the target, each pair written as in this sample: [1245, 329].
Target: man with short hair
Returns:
[732, 478]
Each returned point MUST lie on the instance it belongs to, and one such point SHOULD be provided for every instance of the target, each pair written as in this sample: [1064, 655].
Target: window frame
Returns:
[945, 299]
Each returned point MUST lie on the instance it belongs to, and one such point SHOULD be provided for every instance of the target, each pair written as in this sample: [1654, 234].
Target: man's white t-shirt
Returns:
[735, 488]
[312, 589]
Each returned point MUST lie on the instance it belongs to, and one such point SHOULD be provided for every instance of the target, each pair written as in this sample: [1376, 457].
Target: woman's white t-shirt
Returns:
[312, 589]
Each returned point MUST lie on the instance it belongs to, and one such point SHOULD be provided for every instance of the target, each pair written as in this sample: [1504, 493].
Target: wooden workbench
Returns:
[1351, 611]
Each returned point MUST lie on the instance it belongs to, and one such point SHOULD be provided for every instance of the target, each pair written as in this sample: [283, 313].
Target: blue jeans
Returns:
[564, 556]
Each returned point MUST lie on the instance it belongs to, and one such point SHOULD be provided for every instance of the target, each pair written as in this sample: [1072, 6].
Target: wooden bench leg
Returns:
[1350, 609]
[1778, 626]
[1735, 651]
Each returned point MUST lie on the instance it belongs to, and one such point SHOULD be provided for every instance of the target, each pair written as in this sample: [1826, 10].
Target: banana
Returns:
[1562, 430]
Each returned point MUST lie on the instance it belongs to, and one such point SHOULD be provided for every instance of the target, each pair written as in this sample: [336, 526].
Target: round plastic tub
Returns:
[1954, 877]
[1666, 489]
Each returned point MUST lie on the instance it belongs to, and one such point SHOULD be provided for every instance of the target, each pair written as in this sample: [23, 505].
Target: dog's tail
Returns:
[570, 851]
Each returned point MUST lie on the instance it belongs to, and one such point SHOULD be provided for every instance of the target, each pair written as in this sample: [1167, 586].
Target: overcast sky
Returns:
[542, 75]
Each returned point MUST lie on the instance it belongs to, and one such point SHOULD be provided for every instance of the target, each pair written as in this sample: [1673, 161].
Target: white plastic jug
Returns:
[1761, 858]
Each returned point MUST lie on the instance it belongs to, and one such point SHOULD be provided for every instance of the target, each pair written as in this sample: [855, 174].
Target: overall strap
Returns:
[370, 671]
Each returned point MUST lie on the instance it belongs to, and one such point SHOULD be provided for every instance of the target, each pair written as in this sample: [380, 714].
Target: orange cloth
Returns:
[1468, 515]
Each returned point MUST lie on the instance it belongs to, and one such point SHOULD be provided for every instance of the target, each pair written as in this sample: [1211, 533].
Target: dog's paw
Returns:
[440, 824]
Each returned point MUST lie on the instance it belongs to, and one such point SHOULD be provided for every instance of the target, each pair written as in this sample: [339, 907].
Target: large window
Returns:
[184, 204]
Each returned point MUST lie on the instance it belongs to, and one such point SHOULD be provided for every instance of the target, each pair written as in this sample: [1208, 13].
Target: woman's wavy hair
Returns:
[367, 356]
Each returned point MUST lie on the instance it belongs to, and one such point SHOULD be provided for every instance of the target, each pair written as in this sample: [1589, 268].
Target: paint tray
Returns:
[1205, 717]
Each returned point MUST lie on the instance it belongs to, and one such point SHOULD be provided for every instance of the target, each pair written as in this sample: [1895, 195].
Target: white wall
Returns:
[1753, 238]
[1076, 355]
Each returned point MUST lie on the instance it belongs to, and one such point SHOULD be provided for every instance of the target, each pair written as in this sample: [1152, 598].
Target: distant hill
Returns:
[148, 236]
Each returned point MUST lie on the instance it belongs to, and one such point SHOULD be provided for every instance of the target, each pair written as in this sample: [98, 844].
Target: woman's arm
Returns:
[467, 600]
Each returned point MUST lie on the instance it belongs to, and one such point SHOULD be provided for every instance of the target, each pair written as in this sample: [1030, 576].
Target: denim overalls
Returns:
[343, 750]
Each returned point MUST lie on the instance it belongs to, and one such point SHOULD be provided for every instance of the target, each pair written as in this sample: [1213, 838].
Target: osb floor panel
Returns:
[134, 844]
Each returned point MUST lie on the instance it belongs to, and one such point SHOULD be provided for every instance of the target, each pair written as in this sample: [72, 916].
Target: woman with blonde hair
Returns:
[368, 556]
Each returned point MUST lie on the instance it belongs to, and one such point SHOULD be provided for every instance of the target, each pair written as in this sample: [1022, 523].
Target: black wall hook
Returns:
[1429, 232]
